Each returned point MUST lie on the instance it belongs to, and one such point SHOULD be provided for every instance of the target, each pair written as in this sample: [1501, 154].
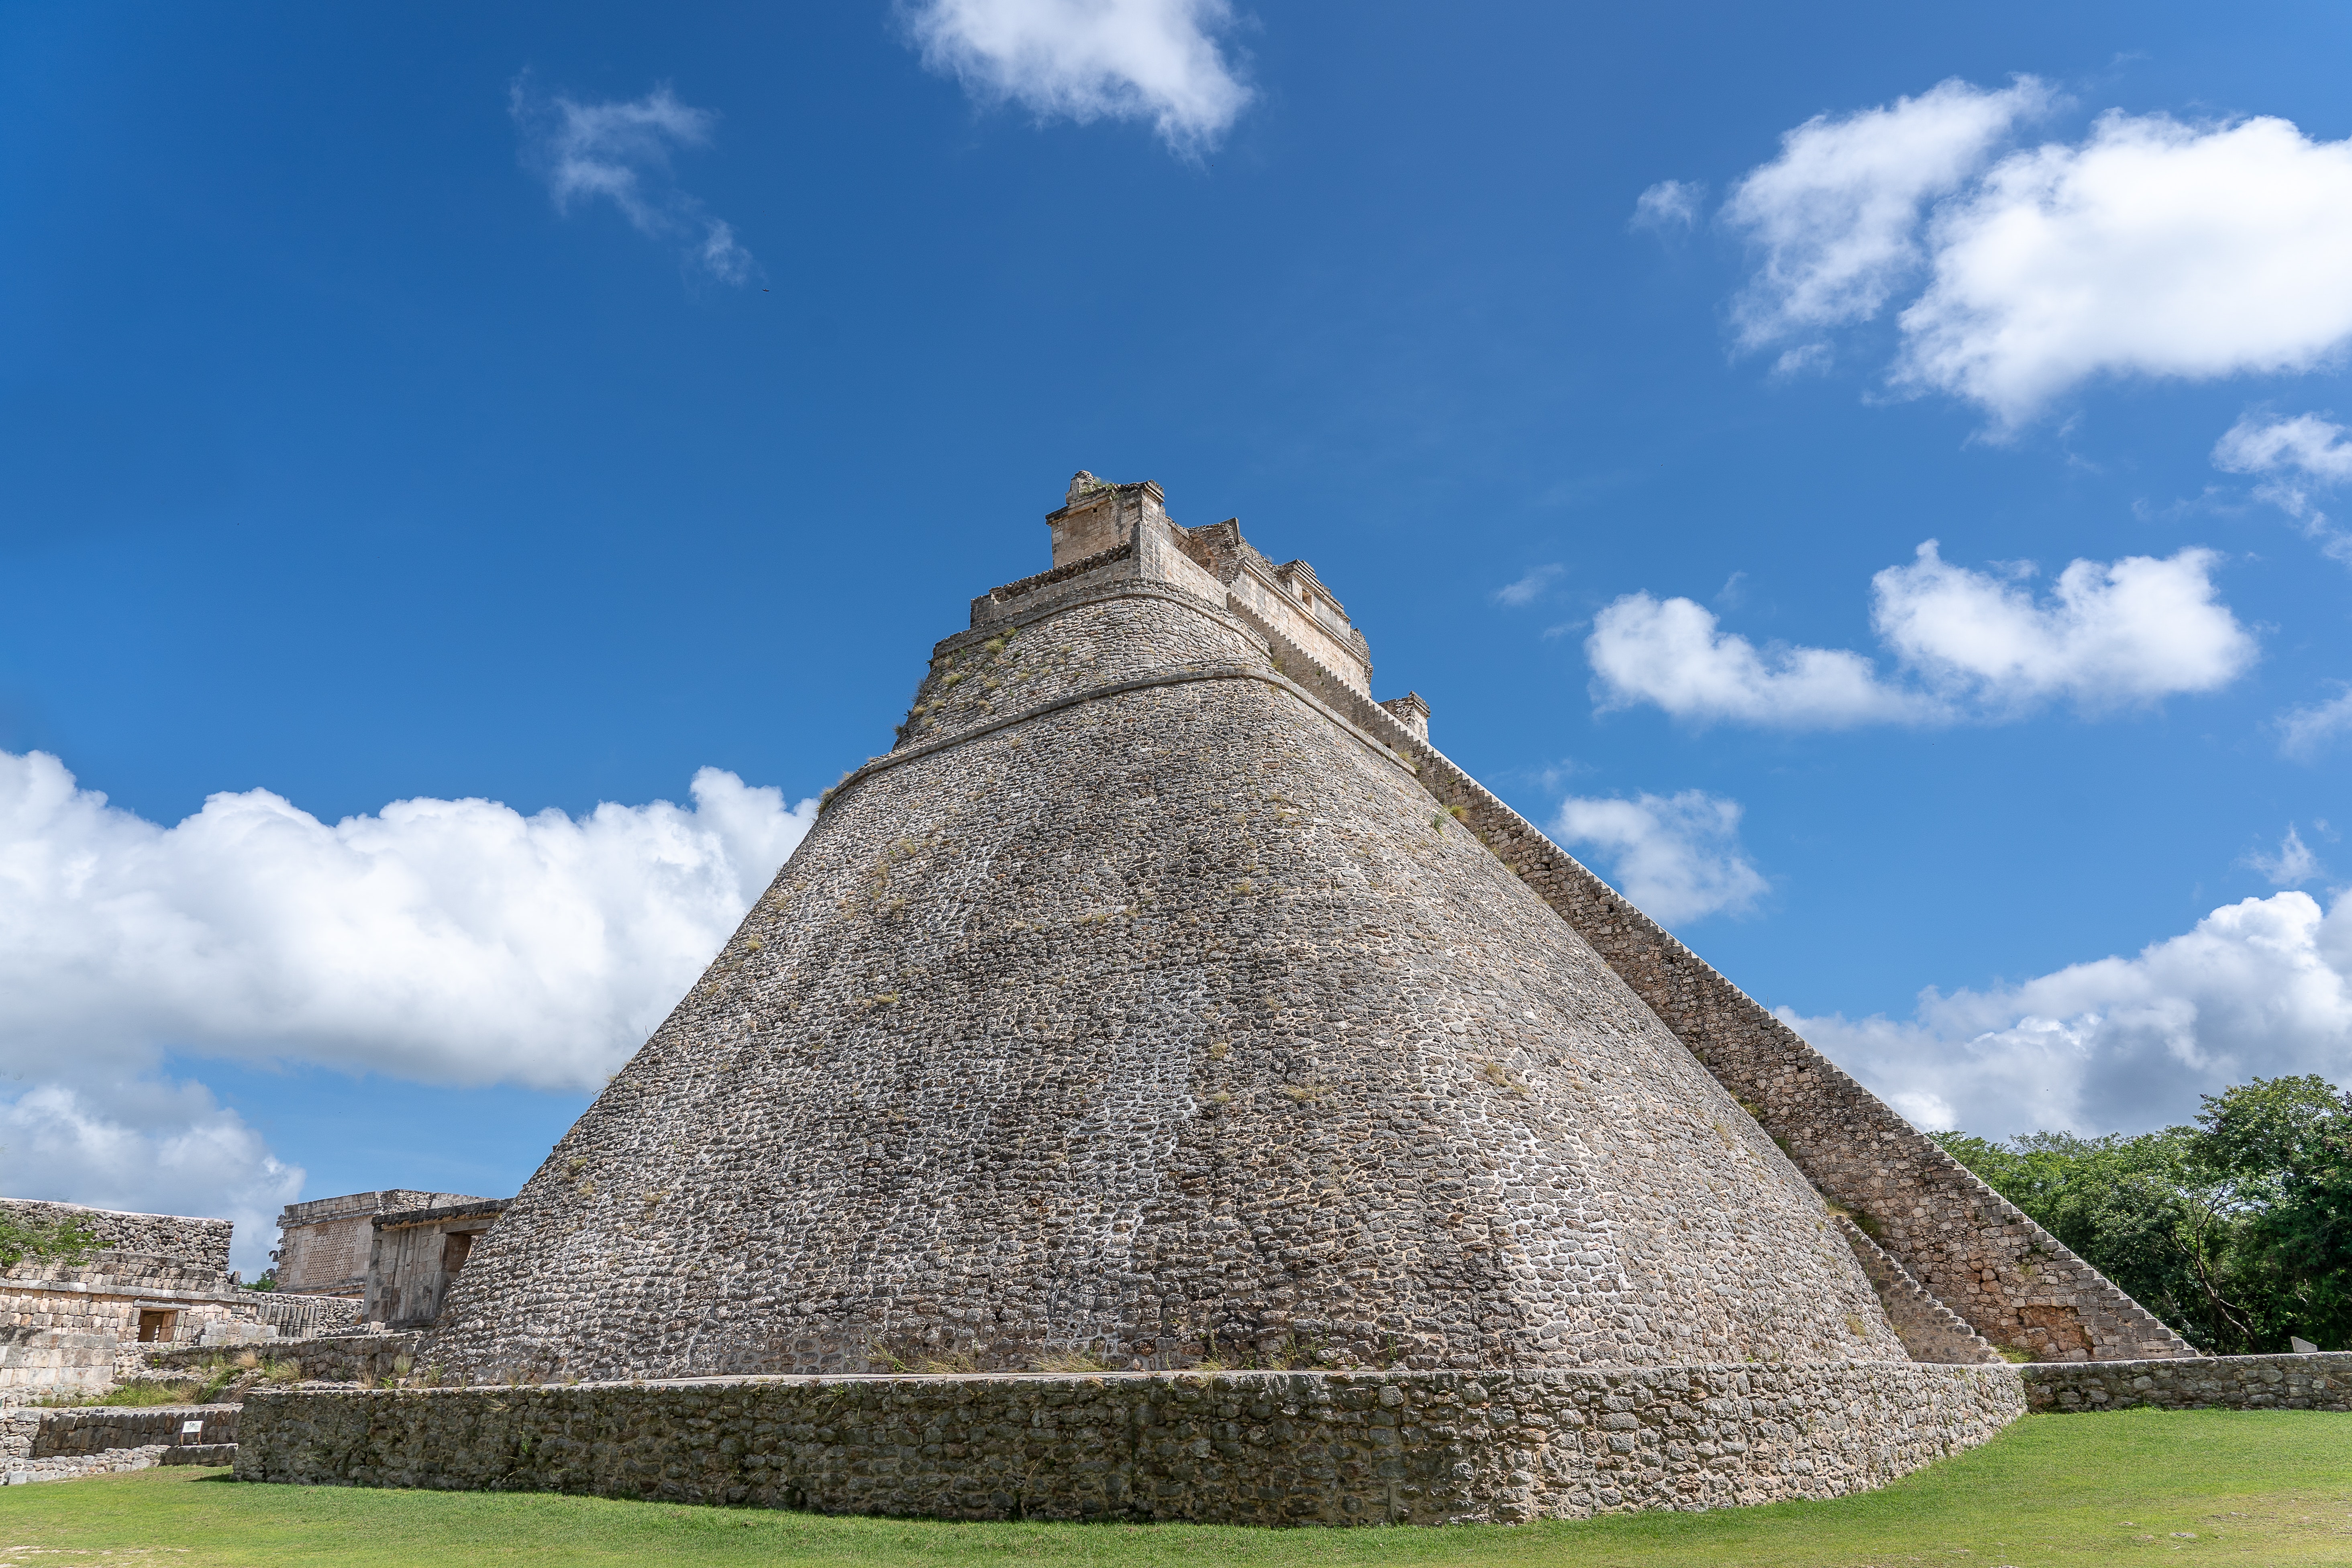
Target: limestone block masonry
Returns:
[338, 1358]
[1267, 1449]
[2322, 1381]
[94, 1429]
[199, 1243]
[1929, 1329]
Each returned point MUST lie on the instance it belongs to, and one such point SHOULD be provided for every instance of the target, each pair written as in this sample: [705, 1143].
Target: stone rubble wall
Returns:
[340, 1358]
[95, 1430]
[201, 1242]
[1268, 1448]
[2012, 1281]
[2322, 1381]
[1929, 1329]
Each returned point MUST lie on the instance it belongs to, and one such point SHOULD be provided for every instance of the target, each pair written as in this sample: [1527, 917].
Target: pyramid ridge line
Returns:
[1108, 689]
[1679, 955]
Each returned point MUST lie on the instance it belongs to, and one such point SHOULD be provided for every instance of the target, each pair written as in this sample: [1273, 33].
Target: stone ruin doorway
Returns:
[154, 1326]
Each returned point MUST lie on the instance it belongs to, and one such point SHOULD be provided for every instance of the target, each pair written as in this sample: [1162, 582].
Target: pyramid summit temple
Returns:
[1165, 1042]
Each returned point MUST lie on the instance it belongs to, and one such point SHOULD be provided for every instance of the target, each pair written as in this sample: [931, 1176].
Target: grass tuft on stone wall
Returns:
[2056, 1491]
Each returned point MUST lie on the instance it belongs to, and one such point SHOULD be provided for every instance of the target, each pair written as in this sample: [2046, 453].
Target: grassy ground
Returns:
[2132, 1487]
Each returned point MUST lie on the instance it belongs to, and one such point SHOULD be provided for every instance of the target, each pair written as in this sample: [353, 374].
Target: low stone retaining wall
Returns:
[35, 1362]
[111, 1462]
[339, 1358]
[94, 1429]
[2209, 1382]
[1425, 1447]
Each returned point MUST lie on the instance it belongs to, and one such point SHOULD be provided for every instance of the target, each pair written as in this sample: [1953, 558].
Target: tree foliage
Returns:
[2236, 1231]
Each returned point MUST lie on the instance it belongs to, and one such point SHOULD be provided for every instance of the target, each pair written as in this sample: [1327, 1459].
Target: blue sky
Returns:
[520, 411]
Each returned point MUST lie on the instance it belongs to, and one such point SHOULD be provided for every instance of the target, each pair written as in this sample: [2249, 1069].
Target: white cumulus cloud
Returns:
[1834, 218]
[2296, 459]
[454, 942]
[2110, 633]
[2259, 988]
[2147, 247]
[1677, 857]
[1675, 654]
[2150, 249]
[620, 151]
[1965, 644]
[445, 940]
[1157, 60]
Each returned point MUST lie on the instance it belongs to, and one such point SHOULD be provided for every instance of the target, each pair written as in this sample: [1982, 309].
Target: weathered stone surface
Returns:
[75, 1467]
[1142, 1007]
[335, 1358]
[95, 1430]
[154, 1278]
[323, 1245]
[200, 1243]
[2321, 1382]
[1928, 1329]
[1233, 1448]
[417, 1253]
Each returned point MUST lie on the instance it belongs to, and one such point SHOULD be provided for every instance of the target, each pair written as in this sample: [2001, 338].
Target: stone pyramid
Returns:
[1148, 1006]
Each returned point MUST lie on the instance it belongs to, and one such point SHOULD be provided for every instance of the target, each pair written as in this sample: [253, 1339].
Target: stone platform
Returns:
[1241, 1447]
[2321, 1382]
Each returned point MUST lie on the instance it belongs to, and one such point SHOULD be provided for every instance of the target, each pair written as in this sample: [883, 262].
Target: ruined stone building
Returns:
[393, 1252]
[152, 1279]
[1162, 1000]
[383, 1260]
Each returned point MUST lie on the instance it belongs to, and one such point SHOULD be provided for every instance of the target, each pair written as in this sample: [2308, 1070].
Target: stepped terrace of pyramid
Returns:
[1164, 1044]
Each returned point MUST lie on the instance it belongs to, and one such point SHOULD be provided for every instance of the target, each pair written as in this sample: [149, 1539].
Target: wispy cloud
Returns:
[1968, 645]
[2291, 866]
[1669, 207]
[2305, 733]
[1155, 60]
[2298, 460]
[1677, 857]
[620, 151]
[1530, 585]
[1835, 218]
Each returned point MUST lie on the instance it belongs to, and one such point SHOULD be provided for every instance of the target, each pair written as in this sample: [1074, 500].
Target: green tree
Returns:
[2237, 1231]
[2287, 1143]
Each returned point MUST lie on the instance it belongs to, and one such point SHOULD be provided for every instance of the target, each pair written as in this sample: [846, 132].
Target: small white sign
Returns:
[190, 1429]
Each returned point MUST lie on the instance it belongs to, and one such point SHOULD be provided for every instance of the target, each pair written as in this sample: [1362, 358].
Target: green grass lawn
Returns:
[2258, 1487]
